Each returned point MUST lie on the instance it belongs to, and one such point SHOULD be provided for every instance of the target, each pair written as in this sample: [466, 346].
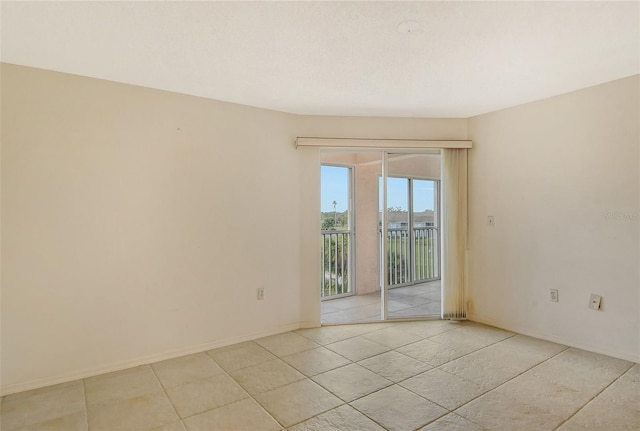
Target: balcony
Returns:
[413, 277]
[423, 248]
[335, 263]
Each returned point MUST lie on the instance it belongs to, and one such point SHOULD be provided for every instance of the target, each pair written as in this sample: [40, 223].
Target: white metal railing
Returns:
[411, 261]
[335, 263]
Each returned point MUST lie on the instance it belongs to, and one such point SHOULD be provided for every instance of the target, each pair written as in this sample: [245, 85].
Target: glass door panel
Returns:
[425, 230]
[409, 236]
[397, 250]
[336, 231]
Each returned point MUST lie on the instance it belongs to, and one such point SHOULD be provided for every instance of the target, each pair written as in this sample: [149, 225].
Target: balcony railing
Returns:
[335, 263]
[425, 251]
[335, 258]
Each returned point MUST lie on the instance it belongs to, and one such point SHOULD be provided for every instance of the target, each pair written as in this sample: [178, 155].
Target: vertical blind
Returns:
[454, 233]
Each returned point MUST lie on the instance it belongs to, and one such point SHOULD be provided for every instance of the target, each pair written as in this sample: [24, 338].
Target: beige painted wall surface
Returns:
[139, 223]
[382, 127]
[561, 178]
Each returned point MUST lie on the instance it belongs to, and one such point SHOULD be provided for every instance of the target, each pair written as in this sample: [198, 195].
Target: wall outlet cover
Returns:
[594, 301]
[553, 295]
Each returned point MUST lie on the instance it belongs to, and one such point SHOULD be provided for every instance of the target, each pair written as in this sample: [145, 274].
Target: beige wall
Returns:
[138, 224]
[561, 177]
[382, 127]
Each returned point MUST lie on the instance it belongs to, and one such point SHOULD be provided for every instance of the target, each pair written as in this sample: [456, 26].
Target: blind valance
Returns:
[390, 144]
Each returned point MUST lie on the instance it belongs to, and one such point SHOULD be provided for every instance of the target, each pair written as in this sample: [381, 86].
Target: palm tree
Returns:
[335, 204]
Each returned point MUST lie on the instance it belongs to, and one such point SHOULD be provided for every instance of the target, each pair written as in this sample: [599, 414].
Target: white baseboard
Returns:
[625, 355]
[144, 360]
[309, 324]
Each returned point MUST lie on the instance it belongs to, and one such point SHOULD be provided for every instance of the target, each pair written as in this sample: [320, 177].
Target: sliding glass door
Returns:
[372, 270]
[409, 237]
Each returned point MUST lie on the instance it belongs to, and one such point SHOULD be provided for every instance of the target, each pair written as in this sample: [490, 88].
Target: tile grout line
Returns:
[402, 387]
[307, 377]
[346, 403]
[311, 417]
[86, 403]
[166, 394]
[350, 336]
[395, 350]
[447, 346]
[495, 343]
[595, 396]
[391, 381]
[351, 362]
[250, 396]
[508, 380]
[449, 411]
[317, 374]
[501, 384]
[505, 382]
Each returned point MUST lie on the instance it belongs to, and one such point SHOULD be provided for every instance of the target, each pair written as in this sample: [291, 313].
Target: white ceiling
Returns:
[335, 58]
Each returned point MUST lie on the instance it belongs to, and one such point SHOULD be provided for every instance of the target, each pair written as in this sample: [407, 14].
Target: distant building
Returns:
[400, 219]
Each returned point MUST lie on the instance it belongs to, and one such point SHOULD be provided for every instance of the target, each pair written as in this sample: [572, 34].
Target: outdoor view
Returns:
[336, 230]
[422, 215]
[334, 219]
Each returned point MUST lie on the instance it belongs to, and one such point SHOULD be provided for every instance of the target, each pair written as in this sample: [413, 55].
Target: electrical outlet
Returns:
[260, 293]
[491, 220]
[553, 295]
[594, 301]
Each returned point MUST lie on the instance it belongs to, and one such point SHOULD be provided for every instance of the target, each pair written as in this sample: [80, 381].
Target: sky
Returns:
[335, 187]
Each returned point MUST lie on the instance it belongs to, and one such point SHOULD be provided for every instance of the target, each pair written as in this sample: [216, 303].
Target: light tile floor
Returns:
[402, 376]
[420, 300]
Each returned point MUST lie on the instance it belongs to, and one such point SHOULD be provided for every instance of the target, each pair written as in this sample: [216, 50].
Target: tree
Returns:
[328, 224]
[335, 204]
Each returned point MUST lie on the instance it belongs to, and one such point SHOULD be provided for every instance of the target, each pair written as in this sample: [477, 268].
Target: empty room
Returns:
[316, 216]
